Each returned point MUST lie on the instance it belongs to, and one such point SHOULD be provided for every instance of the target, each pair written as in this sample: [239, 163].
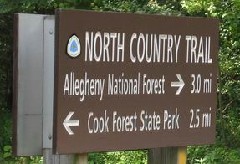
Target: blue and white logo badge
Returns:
[73, 47]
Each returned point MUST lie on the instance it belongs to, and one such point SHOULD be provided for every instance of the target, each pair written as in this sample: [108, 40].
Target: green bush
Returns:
[119, 157]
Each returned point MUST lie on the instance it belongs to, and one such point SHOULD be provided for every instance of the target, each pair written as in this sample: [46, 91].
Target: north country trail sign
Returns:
[133, 81]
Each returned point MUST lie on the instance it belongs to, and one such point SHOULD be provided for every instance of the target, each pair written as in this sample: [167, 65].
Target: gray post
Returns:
[33, 88]
[49, 158]
[28, 84]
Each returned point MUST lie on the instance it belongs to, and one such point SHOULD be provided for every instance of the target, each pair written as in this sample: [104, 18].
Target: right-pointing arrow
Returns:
[67, 123]
[180, 84]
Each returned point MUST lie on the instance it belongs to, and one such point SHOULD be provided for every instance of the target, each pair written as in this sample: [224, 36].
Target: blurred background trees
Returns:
[227, 147]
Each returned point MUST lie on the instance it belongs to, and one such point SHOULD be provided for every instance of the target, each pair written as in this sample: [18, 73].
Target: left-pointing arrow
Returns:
[67, 123]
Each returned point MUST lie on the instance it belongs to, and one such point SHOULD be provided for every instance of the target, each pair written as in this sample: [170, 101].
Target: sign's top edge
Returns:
[31, 14]
[61, 10]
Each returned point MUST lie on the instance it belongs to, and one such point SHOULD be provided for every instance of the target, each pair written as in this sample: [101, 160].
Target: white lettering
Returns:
[99, 46]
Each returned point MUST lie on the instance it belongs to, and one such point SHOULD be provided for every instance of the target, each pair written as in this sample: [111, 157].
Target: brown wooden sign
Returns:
[133, 81]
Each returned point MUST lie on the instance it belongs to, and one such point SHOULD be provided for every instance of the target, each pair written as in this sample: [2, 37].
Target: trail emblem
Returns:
[73, 47]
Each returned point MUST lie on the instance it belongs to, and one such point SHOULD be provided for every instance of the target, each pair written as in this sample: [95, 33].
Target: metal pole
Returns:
[49, 158]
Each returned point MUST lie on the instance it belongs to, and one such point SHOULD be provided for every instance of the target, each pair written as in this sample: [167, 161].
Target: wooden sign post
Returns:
[171, 155]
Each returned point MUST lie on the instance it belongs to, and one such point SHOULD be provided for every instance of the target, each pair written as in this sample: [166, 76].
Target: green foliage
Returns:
[5, 87]
[117, 5]
[198, 7]
[229, 71]
[5, 61]
[120, 157]
[153, 7]
[4, 137]
[213, 155]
